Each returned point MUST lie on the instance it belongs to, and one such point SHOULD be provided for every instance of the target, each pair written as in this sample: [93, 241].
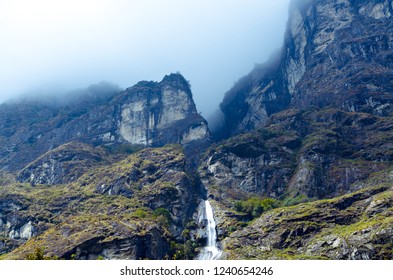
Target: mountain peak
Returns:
[176, 80]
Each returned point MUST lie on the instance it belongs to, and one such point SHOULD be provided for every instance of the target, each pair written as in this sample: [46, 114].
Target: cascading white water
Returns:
[211, 251]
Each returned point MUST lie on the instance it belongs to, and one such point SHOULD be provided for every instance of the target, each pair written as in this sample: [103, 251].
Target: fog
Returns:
[63, 45]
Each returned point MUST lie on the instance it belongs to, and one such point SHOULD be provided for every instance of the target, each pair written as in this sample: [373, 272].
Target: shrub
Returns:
[162, 212]
[290, 201]
[140, 213]
[163, 216]
[180, 251]
[39, 254]
[255, 206]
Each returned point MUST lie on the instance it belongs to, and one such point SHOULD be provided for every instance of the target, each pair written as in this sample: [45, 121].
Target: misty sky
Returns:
[74, 43]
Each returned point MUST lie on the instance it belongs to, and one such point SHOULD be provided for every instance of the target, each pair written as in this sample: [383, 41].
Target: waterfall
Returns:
[211, 251]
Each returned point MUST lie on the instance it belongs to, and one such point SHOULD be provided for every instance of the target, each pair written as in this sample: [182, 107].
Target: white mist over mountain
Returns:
[48, 44]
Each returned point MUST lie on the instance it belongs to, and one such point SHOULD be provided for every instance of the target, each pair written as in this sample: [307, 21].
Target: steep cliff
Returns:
[147, 114]
[160, 113]
[335, 53]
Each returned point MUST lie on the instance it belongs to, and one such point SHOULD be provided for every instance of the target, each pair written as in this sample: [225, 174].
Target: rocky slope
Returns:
[336, 53]
[136, 208]
[358, 226]
[147, 114]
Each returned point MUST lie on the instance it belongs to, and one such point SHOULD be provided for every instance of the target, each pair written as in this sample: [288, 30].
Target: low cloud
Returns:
[72, 44]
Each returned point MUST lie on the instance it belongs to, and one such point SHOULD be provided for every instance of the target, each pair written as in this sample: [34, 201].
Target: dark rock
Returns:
[90, 238]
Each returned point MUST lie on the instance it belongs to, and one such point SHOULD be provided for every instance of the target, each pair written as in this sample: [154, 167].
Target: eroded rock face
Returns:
[250, 164]
[15, 227]
[159, 113]
[89, 238]
[336, 53]
[149, 114]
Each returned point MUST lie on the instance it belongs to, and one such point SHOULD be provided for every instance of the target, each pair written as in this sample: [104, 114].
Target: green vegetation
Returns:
[125, 148]
[290, 201]
[39, 254]
[6, 178]
[255, 206]
[140, 213]
[333, 228]
[163, 216]
[256, 253]
[183, 251]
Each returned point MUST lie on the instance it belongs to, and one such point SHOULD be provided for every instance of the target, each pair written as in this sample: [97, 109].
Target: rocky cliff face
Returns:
[319, 153]
[318, 114]
[314, 122]
[148, 114]
[156, 114]
[336, 53]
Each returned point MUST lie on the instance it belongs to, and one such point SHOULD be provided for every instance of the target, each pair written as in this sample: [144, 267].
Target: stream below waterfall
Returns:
[210, 251]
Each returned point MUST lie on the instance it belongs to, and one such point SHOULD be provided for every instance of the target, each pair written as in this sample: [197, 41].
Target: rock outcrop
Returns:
[155, 177]
[148, 114]
[100, 237]
[160, 113]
